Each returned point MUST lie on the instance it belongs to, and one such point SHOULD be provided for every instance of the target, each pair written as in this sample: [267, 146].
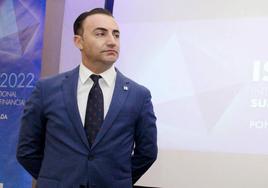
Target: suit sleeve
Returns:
[145, 150]
[30, 148]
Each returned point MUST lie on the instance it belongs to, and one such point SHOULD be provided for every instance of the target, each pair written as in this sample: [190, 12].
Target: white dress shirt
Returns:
[107, 83]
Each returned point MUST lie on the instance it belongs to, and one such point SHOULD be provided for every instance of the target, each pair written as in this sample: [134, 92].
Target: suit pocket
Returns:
[47, 183]
[126, 116]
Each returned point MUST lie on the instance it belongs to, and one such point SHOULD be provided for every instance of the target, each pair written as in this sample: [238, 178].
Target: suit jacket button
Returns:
[90, 157]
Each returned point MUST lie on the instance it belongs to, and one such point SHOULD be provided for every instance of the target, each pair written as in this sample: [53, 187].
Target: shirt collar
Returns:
[108, 75]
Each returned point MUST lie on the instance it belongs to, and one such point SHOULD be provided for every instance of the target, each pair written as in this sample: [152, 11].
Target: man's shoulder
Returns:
[133, 83]
[58, 78]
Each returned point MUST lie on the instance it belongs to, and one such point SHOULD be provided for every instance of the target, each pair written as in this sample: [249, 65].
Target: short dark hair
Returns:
[78, 24]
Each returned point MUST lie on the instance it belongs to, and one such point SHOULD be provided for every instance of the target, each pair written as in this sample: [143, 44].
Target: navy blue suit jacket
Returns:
[53, 146]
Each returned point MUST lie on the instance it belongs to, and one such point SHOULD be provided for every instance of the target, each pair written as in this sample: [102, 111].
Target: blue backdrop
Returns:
[21, 40]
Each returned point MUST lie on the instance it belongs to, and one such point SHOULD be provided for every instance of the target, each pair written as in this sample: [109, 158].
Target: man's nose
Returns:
[111, 40]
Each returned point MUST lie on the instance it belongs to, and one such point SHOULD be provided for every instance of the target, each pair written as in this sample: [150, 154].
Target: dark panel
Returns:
[52, 37]
[109, 5]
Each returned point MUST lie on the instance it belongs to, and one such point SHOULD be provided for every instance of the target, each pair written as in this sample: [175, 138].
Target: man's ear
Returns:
[78, 42]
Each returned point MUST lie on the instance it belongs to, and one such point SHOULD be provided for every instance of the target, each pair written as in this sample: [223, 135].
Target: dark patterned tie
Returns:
[94, 110]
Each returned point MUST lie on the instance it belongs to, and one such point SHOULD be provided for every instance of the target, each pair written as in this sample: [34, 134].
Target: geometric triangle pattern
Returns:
[21, 41]
[213, 104]
[27, 24]
[25, 36]
[18, 27]
[10, 45]
[197, 72]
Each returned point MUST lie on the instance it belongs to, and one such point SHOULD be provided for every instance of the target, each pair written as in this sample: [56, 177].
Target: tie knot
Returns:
[95, 78]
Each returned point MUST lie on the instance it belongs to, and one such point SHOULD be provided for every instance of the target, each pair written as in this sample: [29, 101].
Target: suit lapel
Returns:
[69, 88]
[120, 93]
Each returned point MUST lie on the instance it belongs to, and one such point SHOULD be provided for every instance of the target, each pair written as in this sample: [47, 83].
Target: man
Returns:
[91, 126]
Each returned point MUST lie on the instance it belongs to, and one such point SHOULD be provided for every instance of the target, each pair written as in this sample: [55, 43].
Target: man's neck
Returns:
[97, 67]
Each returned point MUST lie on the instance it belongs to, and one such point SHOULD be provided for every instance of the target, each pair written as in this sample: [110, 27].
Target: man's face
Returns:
[99, 42]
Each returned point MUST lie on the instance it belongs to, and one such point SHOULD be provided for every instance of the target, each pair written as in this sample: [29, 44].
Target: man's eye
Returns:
[100, 34]
[117, 36]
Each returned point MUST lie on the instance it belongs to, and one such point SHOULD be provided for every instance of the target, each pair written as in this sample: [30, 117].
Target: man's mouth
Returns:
[110, 51]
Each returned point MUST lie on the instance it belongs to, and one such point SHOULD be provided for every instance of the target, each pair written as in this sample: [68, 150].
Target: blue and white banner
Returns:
[21, 41]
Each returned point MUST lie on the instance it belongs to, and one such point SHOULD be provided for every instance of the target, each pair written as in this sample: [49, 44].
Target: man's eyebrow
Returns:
[104, 29]
[100, 28]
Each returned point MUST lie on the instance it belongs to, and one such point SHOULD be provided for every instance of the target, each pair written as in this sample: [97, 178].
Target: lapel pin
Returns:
[125, 88]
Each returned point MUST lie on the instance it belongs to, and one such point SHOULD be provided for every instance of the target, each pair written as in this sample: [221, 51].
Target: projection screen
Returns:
[206, 64]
